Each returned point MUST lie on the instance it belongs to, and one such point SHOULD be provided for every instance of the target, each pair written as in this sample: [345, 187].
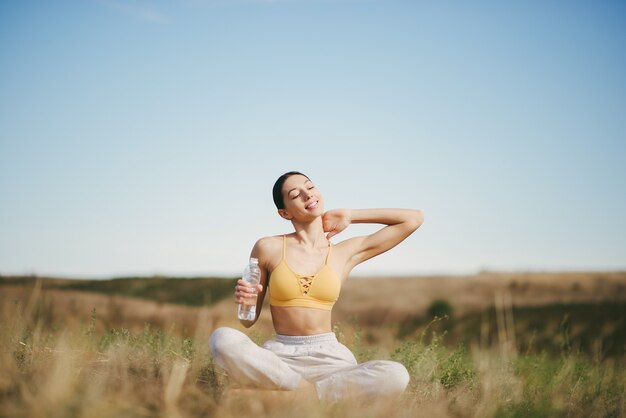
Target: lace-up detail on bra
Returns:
[288, 288]
[305, 284]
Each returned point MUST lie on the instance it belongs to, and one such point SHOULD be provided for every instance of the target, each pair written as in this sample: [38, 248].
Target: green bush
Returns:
[440, 308]
[457, 368]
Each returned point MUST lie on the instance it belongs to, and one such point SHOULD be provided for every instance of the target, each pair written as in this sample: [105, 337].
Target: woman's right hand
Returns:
[246, 293]
[336, 220]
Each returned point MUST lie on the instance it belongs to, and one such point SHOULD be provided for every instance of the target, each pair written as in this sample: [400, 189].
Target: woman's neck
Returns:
[311, 234]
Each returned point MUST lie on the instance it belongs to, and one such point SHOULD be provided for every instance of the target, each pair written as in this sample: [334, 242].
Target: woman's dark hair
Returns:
[277, 190]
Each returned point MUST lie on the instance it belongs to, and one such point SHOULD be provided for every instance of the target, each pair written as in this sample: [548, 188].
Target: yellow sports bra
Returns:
[288, 288]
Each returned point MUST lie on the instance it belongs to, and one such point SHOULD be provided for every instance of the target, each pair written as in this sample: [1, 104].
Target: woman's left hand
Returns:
[336, 220]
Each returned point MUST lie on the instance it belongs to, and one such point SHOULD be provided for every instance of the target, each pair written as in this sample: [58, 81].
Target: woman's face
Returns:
[301, 197]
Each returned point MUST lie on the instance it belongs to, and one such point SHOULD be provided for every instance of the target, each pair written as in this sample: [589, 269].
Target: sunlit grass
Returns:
[49, 370]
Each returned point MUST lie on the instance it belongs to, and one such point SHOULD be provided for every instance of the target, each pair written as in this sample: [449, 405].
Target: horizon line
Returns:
[230, 275]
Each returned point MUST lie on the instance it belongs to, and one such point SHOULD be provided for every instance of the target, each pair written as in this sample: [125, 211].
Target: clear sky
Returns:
[144, 137]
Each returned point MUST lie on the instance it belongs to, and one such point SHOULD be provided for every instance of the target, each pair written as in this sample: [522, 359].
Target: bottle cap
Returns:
[254, 260]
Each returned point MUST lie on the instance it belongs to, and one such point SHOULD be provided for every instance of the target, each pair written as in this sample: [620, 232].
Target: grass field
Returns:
[503, 345]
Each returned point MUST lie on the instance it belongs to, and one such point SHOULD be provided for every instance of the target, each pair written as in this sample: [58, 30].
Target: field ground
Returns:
[503, 344]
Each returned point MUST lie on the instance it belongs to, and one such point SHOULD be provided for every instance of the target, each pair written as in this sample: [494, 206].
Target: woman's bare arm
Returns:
[400, 224]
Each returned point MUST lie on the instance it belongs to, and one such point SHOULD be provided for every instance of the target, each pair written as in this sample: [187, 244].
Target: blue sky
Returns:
[144, 137]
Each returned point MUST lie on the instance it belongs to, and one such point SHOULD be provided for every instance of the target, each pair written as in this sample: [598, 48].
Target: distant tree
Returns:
[440, 308]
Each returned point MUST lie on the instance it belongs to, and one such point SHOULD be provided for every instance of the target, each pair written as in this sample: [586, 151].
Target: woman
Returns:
[304, 272]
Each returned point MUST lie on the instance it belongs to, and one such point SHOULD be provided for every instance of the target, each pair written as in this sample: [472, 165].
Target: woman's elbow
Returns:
[417, 219]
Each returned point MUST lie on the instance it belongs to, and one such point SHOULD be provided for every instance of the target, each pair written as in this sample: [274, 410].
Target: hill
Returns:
[527, 309]
[194, 291]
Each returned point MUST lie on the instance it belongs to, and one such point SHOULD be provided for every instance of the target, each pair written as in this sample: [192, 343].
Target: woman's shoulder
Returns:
[269, 243]
[268, 250]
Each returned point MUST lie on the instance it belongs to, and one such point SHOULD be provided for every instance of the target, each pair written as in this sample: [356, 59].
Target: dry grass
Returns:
[78, 354]
[394, 298]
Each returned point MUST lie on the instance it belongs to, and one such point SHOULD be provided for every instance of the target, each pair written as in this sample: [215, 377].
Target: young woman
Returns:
[303, 272]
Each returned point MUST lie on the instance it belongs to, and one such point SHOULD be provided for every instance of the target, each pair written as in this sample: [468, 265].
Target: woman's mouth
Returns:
[312, 205]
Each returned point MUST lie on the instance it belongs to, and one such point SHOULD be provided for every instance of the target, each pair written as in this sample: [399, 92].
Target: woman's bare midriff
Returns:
[295, 320]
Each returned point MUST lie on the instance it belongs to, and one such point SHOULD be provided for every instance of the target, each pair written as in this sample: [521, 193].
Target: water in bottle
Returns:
[252, 275]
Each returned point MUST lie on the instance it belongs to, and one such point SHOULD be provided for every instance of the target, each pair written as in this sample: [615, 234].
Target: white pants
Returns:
[320, 359]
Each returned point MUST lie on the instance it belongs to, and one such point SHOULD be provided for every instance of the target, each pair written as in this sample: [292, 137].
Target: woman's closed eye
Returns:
[298, 195]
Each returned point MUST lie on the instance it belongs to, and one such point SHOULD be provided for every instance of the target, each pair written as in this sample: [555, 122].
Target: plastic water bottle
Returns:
[252, 275]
